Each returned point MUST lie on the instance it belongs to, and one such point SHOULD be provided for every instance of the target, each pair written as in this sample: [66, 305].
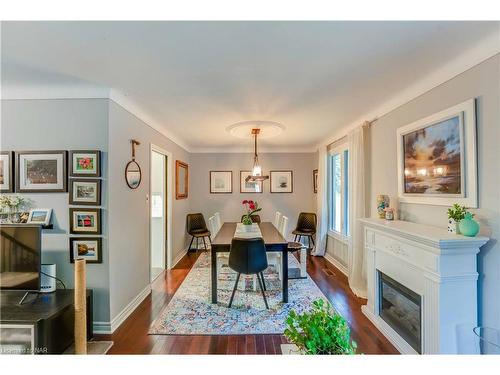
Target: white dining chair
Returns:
[277, 219]
[211, 227]
[218, 222]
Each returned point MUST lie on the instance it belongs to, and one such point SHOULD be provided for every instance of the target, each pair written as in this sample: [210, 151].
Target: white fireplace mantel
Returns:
[439, 266]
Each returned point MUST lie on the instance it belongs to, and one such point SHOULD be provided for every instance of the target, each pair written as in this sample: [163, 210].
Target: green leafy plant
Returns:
[457, 212]
[322, 330]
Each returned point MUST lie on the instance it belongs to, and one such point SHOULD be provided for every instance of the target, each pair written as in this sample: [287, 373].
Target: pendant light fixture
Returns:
[257, 169]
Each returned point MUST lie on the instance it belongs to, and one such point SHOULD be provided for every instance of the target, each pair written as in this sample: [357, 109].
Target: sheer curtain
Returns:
[321, 205]
[357, 259]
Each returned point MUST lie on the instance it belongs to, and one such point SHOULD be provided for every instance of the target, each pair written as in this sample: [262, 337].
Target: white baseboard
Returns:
[179, 257]
[110, 327]
[336, 263]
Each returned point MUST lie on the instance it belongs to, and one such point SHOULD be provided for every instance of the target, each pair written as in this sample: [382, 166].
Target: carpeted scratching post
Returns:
[80, 307]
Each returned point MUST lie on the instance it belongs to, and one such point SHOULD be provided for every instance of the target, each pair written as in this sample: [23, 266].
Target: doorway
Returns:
[160, 209]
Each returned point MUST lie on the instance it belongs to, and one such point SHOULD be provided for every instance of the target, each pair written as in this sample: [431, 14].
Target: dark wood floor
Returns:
[132, 336]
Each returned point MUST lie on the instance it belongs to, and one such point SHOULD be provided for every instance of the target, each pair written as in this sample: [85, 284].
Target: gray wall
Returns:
[63, 125]
[229, 205]
[480, 82]
[129, 209]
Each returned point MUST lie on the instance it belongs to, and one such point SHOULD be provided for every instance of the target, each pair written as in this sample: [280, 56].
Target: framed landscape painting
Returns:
[88, 248]
[85, 220]
[281, 181]
[437, 158]
[249, 187]
[86, 192]
[221, 182]
[85, 163]
[40, 171]
[6, 175]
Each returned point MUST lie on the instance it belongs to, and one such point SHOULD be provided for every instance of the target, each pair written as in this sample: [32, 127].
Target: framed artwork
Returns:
[40, 216]
[437, 162]
[315, 180]
[85, 163]
[85, 220]
[181, 180]
[281, 181]
[86, 192]
[249, 187]
[221, 182]
[6, 174]
[41, 171]
[88, 248]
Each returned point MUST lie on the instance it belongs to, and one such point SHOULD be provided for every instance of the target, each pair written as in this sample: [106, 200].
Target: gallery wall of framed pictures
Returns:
[53, 171]
[221, 182]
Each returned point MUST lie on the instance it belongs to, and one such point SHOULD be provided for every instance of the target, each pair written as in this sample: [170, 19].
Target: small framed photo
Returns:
[41, 171]
[85, 163]
[85, 220]
[249, 187]
[281, 181]
[40, 216]
[88, 248]
[86, 192]
[315, 180]
[221, 182]
[6, 175]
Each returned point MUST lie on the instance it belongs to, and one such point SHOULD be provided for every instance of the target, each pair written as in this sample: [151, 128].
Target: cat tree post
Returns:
[80, 307]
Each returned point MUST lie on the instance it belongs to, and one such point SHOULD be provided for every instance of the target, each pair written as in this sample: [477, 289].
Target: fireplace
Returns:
[401, 309]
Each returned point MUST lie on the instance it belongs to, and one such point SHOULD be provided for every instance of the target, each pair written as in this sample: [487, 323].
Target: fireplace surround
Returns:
[420, 270]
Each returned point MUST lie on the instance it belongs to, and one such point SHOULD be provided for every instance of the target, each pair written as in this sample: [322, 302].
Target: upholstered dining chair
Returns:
[197, 228]
[277, 219]
[306, 227]
[248, 256]
[255, 218]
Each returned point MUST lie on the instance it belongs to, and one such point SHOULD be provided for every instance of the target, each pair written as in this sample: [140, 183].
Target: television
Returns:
[20, 257]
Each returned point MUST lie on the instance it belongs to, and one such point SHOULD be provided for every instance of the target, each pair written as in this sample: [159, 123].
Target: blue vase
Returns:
[468, 226]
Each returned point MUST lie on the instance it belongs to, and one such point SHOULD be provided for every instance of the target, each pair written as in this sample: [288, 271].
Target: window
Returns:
[338, 199]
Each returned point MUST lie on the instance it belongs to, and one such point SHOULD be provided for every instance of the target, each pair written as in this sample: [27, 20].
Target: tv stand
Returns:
[40, 325]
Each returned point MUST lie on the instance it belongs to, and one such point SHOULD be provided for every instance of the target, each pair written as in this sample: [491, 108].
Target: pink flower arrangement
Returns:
[251, 208]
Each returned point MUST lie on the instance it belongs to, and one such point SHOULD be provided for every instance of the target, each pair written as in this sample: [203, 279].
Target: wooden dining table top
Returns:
[270, 235]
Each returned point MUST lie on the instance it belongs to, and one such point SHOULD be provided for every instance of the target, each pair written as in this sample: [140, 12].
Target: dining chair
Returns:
[255, 218]
[277, 219]
[306, 227]
[218, 222]
[211, 227]
[214, 229]
[274, 258]
[248, 256]
[296, 246]
[197, 228]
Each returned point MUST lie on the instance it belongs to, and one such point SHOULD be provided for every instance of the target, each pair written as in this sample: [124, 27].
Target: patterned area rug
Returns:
[191, 313]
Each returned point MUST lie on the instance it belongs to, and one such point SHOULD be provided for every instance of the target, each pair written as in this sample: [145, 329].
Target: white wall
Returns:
[229, 205]
[129, 209]
[480, 82]
[74, 124]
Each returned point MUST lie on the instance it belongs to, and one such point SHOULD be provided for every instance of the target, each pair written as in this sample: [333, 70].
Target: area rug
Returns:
[191, 313]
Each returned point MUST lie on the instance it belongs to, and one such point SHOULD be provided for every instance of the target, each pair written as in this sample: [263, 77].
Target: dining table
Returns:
[273, 241]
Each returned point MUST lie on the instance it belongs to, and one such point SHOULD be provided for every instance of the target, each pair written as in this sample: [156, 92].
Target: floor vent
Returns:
[328, 272]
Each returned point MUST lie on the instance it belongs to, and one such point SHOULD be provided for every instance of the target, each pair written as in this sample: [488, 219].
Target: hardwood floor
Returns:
[132, 336]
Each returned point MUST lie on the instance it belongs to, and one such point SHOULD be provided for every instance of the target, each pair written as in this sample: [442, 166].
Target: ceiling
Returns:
[195, 79]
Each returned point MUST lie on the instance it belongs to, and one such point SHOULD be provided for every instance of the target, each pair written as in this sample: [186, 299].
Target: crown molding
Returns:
[485, 49]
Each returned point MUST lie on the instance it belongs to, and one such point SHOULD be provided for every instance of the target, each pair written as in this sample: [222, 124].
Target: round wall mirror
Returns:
[133, 174]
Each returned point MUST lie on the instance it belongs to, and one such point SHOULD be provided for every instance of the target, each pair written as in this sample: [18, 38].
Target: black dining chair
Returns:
[306, 227]
[248, 256]
[197, 228]
[255, 218]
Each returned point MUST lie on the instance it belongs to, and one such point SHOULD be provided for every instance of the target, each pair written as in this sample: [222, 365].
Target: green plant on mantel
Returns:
[322, 330]
[457, 212]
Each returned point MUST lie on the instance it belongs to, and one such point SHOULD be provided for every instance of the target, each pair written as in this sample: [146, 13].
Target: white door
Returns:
[158, 213]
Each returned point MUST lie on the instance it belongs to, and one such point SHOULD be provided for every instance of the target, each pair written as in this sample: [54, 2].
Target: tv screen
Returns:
[20, 253]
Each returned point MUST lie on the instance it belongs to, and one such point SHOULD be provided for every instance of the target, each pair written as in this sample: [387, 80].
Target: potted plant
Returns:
[322, 330]
[455, 214]
[251, 208]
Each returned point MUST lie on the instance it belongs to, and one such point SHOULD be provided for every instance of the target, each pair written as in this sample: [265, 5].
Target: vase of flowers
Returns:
[251, 208]
[12, 206]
